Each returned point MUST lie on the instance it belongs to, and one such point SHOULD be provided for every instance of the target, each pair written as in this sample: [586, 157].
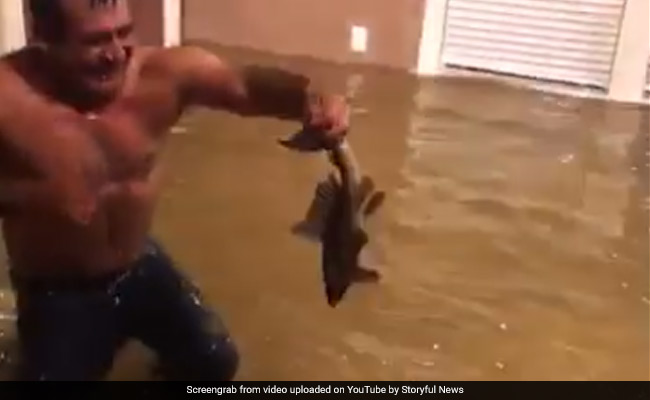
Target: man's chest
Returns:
[125, 144]
[118, 144]
[128, 135]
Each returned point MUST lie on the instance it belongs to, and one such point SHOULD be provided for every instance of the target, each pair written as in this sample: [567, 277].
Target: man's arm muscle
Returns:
[206, 80]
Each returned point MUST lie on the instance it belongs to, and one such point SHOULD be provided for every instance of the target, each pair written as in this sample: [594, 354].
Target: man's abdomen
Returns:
[53, 245]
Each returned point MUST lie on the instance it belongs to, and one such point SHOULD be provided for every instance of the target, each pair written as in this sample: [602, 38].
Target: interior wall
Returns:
[12, 28]
[319, 29]
[148, 17]
[631, 63]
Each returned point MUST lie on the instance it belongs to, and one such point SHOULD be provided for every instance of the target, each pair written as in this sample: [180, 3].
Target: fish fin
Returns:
[366, 186]
[302, 141]
[373, 204]
[307, 231]
[311, 227]
[365, 275]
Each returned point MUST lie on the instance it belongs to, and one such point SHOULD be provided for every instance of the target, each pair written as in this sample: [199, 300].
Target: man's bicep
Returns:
[248, 90]
[205, 79]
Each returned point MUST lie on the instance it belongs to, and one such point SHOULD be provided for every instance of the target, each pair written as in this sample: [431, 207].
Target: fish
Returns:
[335, 218]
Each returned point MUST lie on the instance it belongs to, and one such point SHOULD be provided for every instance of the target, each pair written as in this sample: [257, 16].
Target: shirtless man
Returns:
[83, 116]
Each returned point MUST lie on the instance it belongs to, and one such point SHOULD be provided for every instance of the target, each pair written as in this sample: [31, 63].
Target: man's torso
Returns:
[113, 152]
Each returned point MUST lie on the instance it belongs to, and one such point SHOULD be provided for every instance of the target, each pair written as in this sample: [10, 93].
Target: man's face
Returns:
[97, 45]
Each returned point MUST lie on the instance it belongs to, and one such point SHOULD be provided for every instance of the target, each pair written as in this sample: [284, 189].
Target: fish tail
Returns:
[306, 230]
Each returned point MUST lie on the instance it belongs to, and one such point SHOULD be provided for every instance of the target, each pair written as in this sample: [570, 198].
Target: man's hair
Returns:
[48, 19]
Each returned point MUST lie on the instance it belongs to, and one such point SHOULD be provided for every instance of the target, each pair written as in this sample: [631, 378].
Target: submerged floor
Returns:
[514, 244]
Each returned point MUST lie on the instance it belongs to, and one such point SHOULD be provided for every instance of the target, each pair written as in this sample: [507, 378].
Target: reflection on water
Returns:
[514, 243]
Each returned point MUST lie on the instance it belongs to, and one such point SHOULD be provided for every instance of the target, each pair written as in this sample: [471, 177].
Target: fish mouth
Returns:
[339, 275]
[335, 294]
[333, 302]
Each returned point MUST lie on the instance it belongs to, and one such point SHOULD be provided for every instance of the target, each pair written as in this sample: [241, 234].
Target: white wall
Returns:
[631, 63]
[647, 88]
[172, 10]
[433, 29]
[12, 25]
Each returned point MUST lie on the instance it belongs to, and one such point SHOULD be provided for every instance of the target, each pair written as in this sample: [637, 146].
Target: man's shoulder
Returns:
[18, 70]
[176, 60]
[11, 65]
[14, 82]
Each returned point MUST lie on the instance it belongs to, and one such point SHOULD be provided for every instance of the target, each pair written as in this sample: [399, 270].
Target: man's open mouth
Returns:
[104, 73]
[105, 77]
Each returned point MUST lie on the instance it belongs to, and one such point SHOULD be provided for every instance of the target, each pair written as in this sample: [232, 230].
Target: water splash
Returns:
[178, 130]
[8, 317]
[565, 159]
[425, 363]
[354, 84]
[4, 358]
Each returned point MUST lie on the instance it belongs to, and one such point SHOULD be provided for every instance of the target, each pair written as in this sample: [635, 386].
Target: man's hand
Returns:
[325, 124]
[327, 119]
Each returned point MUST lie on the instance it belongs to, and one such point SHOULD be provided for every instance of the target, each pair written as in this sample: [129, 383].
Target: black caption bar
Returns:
[395, 390]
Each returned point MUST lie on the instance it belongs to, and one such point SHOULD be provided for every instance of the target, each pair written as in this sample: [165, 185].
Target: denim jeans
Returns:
[71, 330]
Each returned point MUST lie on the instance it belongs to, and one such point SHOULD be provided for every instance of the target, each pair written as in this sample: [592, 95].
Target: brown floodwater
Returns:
[513, 245]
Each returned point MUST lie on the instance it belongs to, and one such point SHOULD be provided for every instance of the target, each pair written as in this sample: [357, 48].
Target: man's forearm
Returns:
[276, 92]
